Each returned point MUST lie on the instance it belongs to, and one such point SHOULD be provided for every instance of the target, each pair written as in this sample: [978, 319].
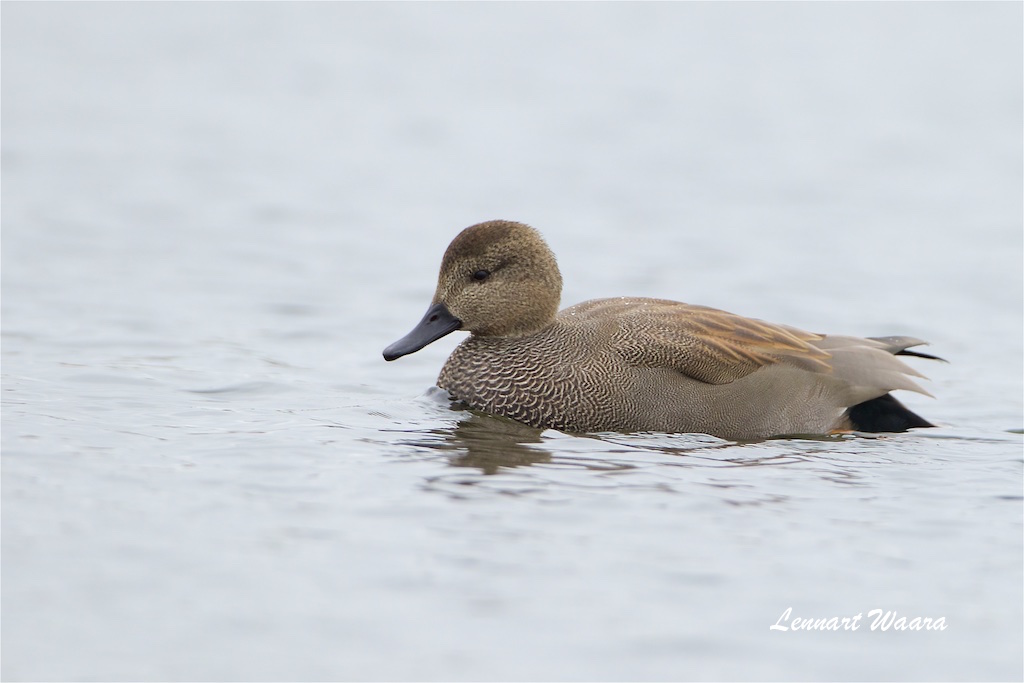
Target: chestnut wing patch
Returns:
[707, 344]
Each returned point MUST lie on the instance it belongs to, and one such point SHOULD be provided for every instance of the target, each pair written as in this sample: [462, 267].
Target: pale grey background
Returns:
[215, 216]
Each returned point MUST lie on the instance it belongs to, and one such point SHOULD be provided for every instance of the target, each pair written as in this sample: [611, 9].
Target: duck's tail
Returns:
[884, 414]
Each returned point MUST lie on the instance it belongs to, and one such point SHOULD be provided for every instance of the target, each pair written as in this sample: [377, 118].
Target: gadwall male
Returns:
[634, 364]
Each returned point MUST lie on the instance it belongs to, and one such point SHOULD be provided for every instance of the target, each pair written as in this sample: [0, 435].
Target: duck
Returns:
[632, 364]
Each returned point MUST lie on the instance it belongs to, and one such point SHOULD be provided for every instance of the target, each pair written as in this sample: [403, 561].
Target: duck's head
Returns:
[498, 279]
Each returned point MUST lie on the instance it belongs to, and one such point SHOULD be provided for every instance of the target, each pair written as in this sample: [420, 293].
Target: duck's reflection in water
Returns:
[490, 443]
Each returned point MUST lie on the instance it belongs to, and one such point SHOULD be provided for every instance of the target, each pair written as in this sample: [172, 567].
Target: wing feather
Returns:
[707, 344]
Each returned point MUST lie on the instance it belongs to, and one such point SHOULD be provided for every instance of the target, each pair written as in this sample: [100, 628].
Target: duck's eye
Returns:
[481, 275]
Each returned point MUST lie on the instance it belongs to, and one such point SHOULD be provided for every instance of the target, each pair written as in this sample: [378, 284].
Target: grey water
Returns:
[215, 216]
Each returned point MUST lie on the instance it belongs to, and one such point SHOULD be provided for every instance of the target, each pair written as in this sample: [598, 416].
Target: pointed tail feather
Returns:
[900, 346]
